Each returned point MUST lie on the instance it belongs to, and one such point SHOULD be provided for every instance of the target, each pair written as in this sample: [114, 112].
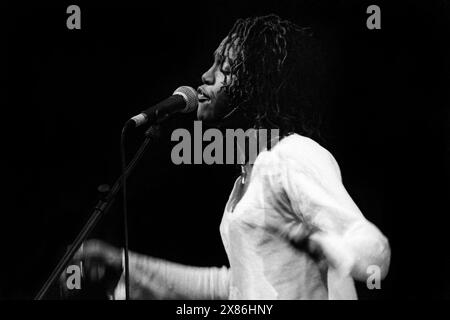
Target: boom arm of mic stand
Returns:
[101, 208]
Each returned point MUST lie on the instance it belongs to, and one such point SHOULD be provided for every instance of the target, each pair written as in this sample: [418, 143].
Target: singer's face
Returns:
[213, 102]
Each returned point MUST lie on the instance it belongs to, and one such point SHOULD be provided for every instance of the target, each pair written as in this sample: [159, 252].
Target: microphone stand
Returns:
[100, 209]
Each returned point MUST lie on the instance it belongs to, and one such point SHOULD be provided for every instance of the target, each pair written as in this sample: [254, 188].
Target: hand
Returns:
[102, 266]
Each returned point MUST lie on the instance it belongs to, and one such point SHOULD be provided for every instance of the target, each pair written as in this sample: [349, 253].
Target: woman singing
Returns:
[290, 229]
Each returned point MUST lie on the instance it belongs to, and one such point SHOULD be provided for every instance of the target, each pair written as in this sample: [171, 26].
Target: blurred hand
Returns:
[102, 267]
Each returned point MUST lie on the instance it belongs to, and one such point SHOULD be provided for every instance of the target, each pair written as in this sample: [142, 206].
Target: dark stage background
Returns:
[70, 91]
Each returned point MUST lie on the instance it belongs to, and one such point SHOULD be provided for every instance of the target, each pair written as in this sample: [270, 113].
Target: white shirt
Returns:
[296, 182]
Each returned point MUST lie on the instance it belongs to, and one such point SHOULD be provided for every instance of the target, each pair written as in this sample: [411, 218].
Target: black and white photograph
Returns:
[251, 151]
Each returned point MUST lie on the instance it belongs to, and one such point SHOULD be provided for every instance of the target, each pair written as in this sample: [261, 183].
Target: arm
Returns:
[361, 246]
[152, 278]
[312, 181]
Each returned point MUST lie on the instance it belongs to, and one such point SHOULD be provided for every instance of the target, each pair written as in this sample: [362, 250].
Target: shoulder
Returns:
[302, 153]
[297, 145]
[302, 149]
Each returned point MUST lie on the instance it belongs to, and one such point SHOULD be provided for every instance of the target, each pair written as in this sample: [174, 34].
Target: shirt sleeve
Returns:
[153, 278]
[312, 182]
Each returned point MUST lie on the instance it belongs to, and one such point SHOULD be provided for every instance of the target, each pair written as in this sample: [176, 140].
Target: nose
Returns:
[208, 76]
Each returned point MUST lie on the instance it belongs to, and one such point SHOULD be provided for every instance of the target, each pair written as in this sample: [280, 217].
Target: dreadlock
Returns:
[274, 75]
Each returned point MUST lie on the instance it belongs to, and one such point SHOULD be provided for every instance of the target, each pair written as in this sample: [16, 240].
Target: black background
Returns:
[70, 91]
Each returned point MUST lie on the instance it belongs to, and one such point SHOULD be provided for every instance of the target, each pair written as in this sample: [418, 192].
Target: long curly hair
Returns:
[275, 74]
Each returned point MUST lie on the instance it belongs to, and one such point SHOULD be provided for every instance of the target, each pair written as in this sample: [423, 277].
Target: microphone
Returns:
[183, 100]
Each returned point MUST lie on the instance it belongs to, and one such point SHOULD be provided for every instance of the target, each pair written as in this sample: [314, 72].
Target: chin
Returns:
[204, 113]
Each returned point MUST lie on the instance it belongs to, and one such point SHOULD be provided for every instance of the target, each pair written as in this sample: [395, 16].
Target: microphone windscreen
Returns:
[190, 96]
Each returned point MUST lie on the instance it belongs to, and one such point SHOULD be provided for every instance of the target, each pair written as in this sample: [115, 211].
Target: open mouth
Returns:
[202, 97]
